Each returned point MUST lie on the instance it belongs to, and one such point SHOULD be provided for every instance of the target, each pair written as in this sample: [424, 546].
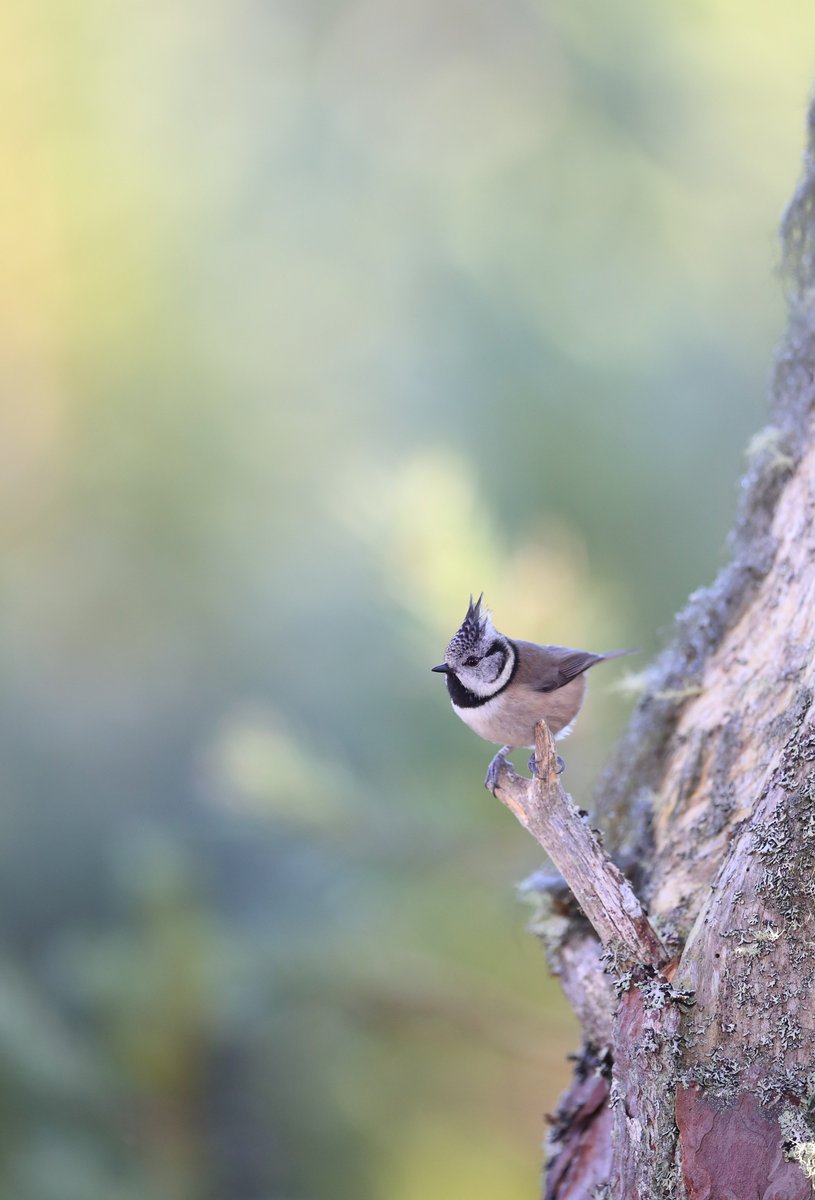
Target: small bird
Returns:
[501, 688]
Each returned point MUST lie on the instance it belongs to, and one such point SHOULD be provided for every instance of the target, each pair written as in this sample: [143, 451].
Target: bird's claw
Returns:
[560, 766]
[494, 769]
[499, 761]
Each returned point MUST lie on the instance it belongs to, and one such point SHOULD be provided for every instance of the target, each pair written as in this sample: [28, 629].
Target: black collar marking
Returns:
[462, 697]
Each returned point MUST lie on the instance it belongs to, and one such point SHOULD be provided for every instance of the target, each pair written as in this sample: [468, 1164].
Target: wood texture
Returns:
[697, 1076]
[547, 811]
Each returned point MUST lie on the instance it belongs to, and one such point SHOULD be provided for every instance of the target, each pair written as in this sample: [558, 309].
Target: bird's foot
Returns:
[494, 769]
[560, 766]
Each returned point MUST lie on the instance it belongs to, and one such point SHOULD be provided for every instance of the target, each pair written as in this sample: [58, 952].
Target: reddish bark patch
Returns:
[583, 1140]
[646, 1027]
[734, 1153]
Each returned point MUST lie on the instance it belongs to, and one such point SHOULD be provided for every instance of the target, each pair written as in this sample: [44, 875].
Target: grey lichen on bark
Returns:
[715, 1099]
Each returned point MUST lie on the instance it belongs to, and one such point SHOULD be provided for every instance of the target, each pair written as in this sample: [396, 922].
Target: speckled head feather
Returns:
[472, 631]
[474, 620]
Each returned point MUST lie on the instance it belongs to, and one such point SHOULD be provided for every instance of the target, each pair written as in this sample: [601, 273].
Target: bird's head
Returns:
[478, 655]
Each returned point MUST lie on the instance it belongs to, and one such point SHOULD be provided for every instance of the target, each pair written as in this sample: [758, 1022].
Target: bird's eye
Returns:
[472, 661]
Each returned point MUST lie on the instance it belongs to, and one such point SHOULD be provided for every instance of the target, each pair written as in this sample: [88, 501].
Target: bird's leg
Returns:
[491, 781]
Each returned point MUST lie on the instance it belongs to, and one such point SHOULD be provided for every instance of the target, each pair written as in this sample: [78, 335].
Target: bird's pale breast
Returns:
[510, 719]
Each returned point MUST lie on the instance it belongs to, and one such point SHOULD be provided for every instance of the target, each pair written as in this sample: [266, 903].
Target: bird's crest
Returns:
[473, 628]
[475, 620]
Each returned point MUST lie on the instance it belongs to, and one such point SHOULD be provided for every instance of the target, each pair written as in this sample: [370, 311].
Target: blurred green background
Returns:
[316, 316]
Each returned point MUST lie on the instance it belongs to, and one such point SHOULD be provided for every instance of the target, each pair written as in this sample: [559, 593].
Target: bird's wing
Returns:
[547, 668]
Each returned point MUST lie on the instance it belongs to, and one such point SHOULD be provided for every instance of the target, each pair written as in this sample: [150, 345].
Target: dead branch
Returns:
[547, 811]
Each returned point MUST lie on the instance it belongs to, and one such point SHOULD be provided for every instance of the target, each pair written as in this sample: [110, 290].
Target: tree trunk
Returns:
[697, 1079]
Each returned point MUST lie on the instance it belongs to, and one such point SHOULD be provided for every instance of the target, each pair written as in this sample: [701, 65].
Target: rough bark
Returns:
[697, 1078]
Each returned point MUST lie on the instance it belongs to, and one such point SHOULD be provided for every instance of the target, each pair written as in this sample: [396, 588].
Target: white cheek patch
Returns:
[486, 688]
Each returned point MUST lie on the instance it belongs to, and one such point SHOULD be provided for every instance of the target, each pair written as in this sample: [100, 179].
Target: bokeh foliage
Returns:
[316, 315]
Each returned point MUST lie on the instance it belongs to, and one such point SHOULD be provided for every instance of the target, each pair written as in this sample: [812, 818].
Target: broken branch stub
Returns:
[547, 811]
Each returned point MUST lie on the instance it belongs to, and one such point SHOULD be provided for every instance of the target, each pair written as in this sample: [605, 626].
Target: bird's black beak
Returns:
[443, 667]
